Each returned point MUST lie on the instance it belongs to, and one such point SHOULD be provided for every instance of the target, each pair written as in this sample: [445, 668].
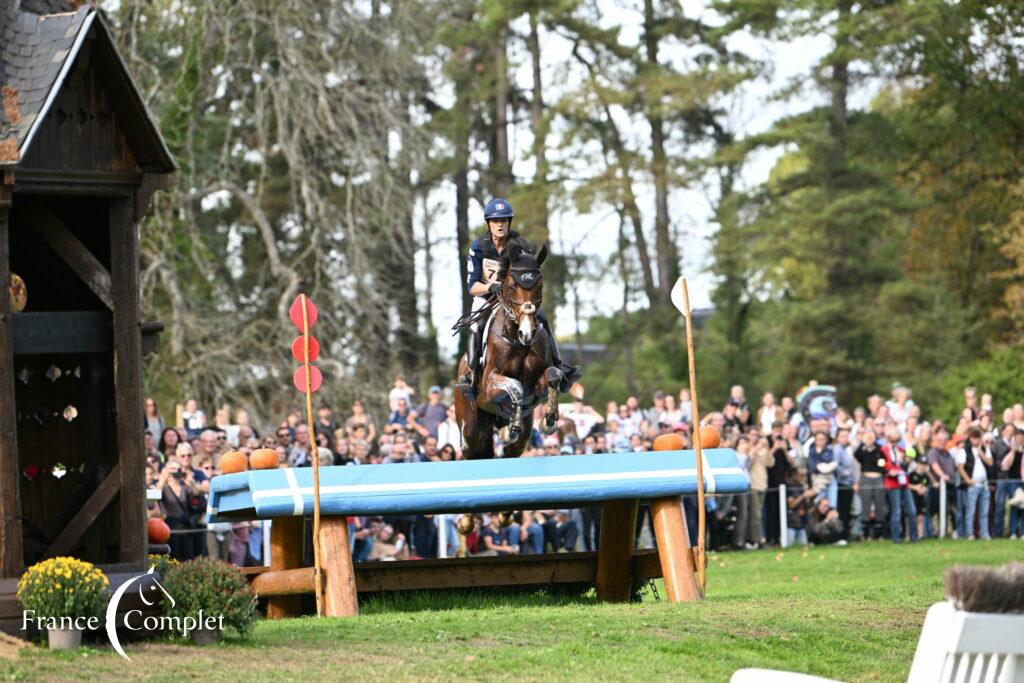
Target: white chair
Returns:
[772, 676]
[965, 647]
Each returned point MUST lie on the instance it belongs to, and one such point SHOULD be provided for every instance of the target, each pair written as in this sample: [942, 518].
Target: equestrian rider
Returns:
[484, 261]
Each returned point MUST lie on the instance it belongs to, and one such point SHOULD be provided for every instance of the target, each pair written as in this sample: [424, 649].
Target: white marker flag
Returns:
[677, 295]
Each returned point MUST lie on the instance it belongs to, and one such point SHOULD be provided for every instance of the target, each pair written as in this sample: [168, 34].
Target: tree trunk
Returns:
[668, 258]
[502, 168]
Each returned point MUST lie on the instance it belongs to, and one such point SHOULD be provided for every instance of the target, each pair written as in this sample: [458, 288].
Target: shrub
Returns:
[64, 587]
[213, 586]
[161, 563]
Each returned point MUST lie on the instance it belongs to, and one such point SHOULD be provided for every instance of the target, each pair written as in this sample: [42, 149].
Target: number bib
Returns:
[491, 268]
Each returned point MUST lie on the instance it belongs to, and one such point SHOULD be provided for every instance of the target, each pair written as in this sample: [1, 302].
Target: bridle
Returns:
[526, 308]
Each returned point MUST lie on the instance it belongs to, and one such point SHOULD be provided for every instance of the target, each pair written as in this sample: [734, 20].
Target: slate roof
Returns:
[38, 39]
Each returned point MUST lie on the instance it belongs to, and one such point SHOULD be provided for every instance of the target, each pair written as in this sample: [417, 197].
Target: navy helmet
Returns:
[498, 208]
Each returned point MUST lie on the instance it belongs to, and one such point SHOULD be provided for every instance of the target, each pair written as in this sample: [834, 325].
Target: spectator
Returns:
[653, 414]
[211, 445]
[433, 413]
[388, 545]
[798, 500]
[527, 534]
[874, 502]
[686, 406]
[825, 527]
[298, 452]
[447, 453]
[193, 419]
[973, 461]
[154, 422]
[671, 415]
[769, 413]
[400, 391]
[448, 432]
[561, 532]
[897, 491]
[399, 418]
[944, 471]
[168, 444]
[359, 418]
[919, 483]
[761, 459]
[822, 464]
[496, 538]
[177, 488]
[1002, 445]
[738, 398]
[1013, 464]
[846, 480]
[583, 417]
[900, 403]
[325, 423]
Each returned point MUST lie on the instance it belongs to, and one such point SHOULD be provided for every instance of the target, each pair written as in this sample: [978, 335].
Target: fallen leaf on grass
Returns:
[795, 579]
[470, 658]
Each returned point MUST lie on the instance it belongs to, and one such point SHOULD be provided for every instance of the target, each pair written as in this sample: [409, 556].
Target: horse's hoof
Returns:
[549, 425]
[465, 525]
[504, 519]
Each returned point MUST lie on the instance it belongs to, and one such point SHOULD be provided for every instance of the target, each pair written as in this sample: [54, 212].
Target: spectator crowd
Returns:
[876, 471]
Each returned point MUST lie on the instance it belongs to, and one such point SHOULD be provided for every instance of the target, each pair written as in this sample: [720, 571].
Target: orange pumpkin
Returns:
[233, 461]
[159, 532]
[264, 459]
[709, 436]
[669, 442]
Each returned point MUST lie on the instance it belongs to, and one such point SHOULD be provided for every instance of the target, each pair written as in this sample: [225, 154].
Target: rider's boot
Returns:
[570, 373]
[467, 382]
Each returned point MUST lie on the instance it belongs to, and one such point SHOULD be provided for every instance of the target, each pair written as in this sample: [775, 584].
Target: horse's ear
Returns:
[542, 254]
[514, 253]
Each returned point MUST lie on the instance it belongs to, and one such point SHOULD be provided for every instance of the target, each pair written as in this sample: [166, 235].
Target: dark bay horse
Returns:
[518, 368]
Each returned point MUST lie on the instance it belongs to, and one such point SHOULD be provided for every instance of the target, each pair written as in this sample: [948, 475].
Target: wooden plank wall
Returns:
[10, 501]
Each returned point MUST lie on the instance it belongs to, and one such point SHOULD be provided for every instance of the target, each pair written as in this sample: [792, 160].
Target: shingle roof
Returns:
[33, 49]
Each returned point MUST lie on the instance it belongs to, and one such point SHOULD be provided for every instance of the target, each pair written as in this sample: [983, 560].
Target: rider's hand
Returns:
[494, 289]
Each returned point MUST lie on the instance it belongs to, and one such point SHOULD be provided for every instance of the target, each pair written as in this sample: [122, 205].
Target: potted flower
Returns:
[161, 564]
[65, 596]
[211, 595]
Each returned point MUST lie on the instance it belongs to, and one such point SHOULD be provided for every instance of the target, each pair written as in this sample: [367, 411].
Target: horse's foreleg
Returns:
[552, 376]
[506, 395]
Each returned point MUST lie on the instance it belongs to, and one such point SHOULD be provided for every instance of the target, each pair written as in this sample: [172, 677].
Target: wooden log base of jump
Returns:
[678, 564]
[614, 581]
[452, 573]
[286, 553]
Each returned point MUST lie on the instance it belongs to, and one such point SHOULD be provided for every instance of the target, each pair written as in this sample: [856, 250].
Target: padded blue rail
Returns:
[463, 486]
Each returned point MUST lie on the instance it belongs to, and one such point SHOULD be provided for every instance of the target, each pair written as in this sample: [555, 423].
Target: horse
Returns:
[518, 367]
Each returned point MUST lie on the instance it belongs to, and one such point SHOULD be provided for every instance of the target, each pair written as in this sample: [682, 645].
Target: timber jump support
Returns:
[616, 480]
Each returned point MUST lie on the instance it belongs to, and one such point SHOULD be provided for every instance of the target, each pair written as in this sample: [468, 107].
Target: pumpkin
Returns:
[233, 461]
[709, 436]
[669, 442]
[159, 532]
[264, 459]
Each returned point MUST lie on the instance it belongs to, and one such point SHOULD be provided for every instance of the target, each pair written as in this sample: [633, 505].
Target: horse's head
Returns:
[522, 289]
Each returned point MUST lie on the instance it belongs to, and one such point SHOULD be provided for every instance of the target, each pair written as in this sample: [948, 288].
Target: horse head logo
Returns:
[147, 589]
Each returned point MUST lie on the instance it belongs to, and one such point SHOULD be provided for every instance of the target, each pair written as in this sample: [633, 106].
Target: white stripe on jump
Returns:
[293, 489]
[295, 492]
[709, 473]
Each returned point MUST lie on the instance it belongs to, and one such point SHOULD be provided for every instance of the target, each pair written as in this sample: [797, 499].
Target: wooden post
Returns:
[285, 553]
[677, 564]
[124, 278]
[615, 550]
[10, 472]
[339, 576]
[701, 557]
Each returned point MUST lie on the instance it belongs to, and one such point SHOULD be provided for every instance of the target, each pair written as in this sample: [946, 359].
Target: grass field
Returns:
[851, 613]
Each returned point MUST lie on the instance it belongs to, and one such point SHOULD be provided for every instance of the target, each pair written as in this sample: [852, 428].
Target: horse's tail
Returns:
[474, 317]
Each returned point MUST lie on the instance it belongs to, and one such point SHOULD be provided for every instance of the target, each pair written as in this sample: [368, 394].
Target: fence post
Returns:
[942, 508]
[442, 535]
[783, 518]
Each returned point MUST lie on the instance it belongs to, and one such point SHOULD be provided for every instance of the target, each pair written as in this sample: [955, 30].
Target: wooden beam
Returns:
[677, 564]
[473, 572]
[124, 262]
[286, 536]
[80, 523]
[10, 471]
[339, 579]
[614, 581]
[82, 261]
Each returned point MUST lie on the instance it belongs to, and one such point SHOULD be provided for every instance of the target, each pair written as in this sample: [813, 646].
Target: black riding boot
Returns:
[467, 381]
[570, 373]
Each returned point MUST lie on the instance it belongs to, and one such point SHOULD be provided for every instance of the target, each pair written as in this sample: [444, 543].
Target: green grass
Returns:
[850, 613]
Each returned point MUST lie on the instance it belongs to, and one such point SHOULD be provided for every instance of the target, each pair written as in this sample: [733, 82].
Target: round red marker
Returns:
[299, 349]
[295, 312]
[316, 378]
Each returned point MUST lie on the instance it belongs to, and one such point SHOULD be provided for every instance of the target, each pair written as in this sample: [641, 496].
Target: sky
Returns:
[595, 234]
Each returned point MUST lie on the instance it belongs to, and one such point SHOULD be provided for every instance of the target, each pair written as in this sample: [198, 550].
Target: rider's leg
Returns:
[570, 373]
[468, 380]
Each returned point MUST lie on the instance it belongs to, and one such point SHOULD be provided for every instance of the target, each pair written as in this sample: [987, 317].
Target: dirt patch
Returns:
[11, 646]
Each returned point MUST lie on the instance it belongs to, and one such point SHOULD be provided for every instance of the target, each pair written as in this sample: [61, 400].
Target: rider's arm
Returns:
[478, 289]
[475, 271]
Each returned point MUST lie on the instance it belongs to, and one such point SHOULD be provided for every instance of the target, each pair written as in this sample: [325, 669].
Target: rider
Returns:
[484, 261]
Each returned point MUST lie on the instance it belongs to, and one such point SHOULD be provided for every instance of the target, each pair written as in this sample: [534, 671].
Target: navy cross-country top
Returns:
[483, 261]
